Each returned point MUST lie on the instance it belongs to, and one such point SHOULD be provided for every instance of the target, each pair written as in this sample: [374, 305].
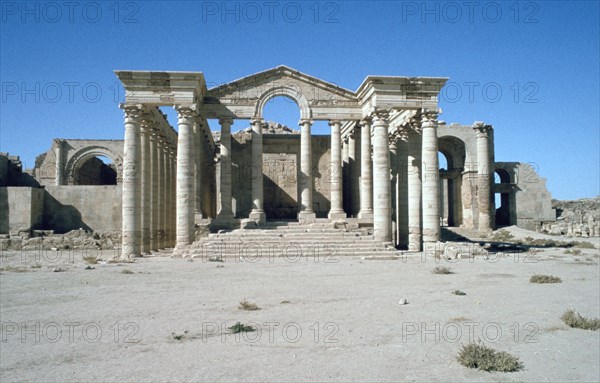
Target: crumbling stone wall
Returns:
[580, 218]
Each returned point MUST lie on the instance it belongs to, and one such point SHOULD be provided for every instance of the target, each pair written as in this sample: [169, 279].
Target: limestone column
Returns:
[146, 184]
[198, 156]
[484, 176]
[393, 186]
[382, 218]
[337, 210]
[185, 177]
[59, 176]
[162, 192]
[168, 197]
[430, 180]
[256, 172]
[306, 178]
[131, 225]
[366, 179]
[225, 170]
[346, 174]
[414, 186]
[402, 190]
[173, 194]
[154, 180]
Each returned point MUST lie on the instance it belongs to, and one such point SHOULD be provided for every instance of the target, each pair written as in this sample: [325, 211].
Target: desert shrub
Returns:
[458, 292]
[573, 319]
[126, 271]
[502, 236]
[539, 278]
[179, 336]
[240, 327]
[476, 355]
[441, 270]
[248, 306]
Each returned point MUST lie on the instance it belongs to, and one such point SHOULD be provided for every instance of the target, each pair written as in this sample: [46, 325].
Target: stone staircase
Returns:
[320, 241]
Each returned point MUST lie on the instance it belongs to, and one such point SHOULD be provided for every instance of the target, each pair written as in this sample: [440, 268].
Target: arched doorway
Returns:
[280, 159]
[98, 170]
[503, 195]
[94, 165]
[451, 158]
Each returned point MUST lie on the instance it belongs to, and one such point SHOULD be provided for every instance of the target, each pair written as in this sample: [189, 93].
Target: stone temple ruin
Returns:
[378, 170]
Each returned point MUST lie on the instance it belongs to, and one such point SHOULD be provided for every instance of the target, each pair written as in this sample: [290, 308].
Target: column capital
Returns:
[185, 113]
[366, 121]
[334, 122]
[380, 116]
[257, 120]
[133, 112]
[226, 121]
[429, 117]
[304, 121]
[481, 128]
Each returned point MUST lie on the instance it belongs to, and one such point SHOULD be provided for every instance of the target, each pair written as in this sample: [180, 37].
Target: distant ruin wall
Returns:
[21, 209]
[95, 208]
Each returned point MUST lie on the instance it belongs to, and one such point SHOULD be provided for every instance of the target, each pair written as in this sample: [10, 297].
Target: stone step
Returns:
[291, 256]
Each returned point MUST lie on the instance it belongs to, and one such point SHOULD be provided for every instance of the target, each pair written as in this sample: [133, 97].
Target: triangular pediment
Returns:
[246, 97]
[283, 75]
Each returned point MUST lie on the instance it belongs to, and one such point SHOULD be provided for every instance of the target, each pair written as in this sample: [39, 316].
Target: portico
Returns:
[166, 171]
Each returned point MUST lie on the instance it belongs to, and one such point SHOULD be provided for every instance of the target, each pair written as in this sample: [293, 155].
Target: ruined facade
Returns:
[378, 167]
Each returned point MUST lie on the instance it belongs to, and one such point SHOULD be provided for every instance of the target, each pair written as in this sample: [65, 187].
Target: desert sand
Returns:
[335, 319]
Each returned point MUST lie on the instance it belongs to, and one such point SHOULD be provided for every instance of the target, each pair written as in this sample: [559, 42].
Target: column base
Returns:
[337, 215]
[307, 216]
[365, 214]
[258, 216]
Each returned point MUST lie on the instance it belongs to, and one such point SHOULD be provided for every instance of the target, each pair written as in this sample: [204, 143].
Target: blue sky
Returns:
[531, 69]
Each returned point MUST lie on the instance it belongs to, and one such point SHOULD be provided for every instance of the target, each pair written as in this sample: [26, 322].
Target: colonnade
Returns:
[395, 177]
[159, 180]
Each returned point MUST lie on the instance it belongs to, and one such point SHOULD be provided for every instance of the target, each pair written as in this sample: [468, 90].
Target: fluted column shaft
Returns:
[256, 172]
[154, 180]
[225, 167]
[131, 229]
[199, 166]
[484, 177]
[430, 182]
[168, 196]
[146, 183]
[354, 172]
[393, 187]
[306, 177]
[366, 179]
[162, 193]
[414, 188]
[336, 196]
[173, 195]
[185, 177]
[382, 215]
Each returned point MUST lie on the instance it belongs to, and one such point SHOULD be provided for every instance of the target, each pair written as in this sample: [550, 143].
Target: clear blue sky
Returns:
[57, 65]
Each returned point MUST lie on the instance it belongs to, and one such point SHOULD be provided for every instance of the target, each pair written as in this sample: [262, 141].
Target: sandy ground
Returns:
[319, 321]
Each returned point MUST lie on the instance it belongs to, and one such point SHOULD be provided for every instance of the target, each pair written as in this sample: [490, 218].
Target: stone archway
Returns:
[79, 158]
[451, 179]
[285, 91]
[505, 213]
